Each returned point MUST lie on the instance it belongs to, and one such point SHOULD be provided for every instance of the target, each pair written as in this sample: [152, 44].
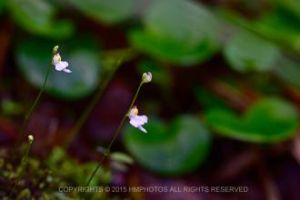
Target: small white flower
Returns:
[136, 120]
[59, 64]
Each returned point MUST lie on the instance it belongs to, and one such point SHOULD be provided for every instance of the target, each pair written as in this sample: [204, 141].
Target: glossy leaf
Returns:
[268, 120]
[34, 56]
[173, 149]
[171, 50]
[37, 16]
[247, 52]
[178, 31]
[109, 11]
[181, 20]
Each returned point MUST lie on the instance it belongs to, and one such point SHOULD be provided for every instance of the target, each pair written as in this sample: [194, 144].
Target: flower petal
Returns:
[67, 70]
[137, 120]
[142, 129]
[61, 65]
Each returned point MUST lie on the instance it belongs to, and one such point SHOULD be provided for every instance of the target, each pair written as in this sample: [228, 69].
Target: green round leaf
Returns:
[246, 52]
[109, 11]
[170, 150]
[268, 120]
[181, 20]
[171, 50]
[34, 56]
[37, 16]
[178, 31]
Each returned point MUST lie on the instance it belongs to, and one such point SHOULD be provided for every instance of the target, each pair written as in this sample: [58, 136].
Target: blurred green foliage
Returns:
[208, 100]
[268, 120]
[187, 37]
[170, 149]
[112, 11]
[288, 69]
[37, 16]
[9, 107]
[247, 52]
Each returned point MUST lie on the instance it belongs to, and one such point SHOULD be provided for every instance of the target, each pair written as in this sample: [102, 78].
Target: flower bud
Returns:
[55, 49]
[30, 139]
[147, 77]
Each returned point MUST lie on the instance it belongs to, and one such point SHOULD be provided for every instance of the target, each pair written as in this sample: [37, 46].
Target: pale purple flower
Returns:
[136, 120]
[59, 64]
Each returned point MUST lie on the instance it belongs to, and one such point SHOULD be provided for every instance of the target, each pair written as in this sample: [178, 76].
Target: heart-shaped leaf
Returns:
[111, 11]
[34, 56]
[179, 31]
[37, 16]
[268, 120]
[247, 52]
[172, 149]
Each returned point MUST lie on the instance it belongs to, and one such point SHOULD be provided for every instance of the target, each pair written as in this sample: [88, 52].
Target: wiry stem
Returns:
[29, 112]
[115, 135]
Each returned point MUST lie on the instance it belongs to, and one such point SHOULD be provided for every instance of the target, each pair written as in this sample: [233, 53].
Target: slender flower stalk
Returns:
[29, 112]
[59, 66]
[146, 78]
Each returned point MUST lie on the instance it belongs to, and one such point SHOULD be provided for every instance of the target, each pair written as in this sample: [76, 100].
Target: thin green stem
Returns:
[29, 112]
[95, 171]
[115, 135]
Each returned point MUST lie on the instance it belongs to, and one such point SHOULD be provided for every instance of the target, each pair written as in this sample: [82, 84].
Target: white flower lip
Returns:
[59, 64]
[136, 120]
